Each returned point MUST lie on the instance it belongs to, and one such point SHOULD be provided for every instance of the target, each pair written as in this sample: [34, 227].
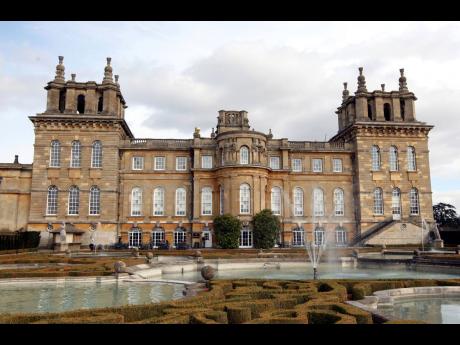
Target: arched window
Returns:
[375, 156]
[394, 162]
[338, 202]
[369, 111]
[396, 203]
[81, 104]
[180, 236]
[206, 201]
[298, 201]
[276, 201]
[403, 109]
[55, 154]
[100, 104]
[94, 201]
[52, 201]
[136, 202]
[158, 237]
[75, 154]
[318, 202]
[298, 236]
[62, 95]
[135, 238]
[319, 236]
[245, 199]
[387, 111]
[414, 202]
[340, 236]
[244, 155]
[180, 202]
[411, 160]
[378, 201]
[158, 201]
[74, 200]
[221, 200]
[96, 155]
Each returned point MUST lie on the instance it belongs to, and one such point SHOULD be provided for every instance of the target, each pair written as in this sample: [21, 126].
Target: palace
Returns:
[369, 184]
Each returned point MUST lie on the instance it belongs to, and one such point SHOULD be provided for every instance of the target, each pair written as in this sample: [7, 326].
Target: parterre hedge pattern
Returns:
[246, 302]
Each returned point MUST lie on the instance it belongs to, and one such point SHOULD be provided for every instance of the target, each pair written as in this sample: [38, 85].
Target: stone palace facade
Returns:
[370, 183]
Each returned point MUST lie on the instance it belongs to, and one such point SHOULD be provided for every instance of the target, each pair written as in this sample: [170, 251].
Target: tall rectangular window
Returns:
[55, 154]
[94, 201]
[160, 163]
[96, 155]
[317, 164]
[206, 162]
[337, 165]
[74, 200]
[181, 163]
[158, 201]
[75, 154]
[180, 201]
[206, 201]
[297, 165]
[275, 162]
[138, 163]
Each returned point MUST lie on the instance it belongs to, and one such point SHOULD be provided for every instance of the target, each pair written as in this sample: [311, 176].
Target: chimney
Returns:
[16, 159]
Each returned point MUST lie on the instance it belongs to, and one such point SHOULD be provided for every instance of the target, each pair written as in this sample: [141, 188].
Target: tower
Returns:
[392, 186]
[75, 176]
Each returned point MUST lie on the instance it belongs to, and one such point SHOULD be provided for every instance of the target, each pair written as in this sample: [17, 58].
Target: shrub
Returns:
[238, 314]
[265, 230]
[227, 230]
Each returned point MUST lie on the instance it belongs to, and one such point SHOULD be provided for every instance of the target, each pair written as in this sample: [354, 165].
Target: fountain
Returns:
[314, 252]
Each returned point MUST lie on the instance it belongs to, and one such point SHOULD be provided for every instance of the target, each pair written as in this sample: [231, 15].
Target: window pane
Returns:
[136, 202]
[206, 162]
[55, 154]
[318, 202]
[317, 165]
[276, 201]
[75, 154]
[375, 155]
[181, 163]
[275, 162]
[244, 155]
[160, 163]
[337, 165]
[180, 202]
[245, 199]
[338, 202]
[298, 202]
[394, 166]
[411, 163]
[138, 163]
[74, 200]
[206, 201]
[414, 202]
[297, 165]
[94, 201]
[96, 155]
[158, 201]
[52, 201]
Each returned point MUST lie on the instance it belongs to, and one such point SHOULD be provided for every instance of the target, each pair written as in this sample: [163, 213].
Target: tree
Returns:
[227, 230]
[445, 215]
[265, 230]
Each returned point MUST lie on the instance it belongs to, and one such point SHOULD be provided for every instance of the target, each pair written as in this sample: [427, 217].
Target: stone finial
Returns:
[213, 134]
[270, 134]
[383, 87]
[402, 81]
[60, 71]
[116, 79]
[361, 81]
[73, 76]
[196, 134]
[345, 92]
[16, 159]
[108, 78]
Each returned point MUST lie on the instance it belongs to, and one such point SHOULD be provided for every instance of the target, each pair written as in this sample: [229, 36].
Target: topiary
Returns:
[266, 227]
[227, 230]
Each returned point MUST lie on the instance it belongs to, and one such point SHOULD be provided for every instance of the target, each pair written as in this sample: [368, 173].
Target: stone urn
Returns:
[149, 257]
[120, 267]
[207, 272]
[135, 252]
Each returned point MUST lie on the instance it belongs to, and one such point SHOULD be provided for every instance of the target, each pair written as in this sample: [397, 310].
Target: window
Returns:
[138, 163]
[206, 201]
[158, 237]
[134, 238]
[221, 200]
[245, 199]
[394, 166]
[318, 202]
[94, 201]
[75, 156]
[411, 162]
[74, 200]
[180, 236]
[81, 104]
[160, 163]
[414, 203]
[369, 111]
[96, 155]
[319, 236]
[52, 201]
[298, 202]
[317, 164]
[246, 238]
[136, 202]
[298, 237]
[158, 201]
[62, 94]
[340, 236]
[244, 155]
[396, 203]
[206, 162]
[297, 165]
[275, 163]
[181, 163]
[180, 201]
[375, 156]
[276, 201]
[55, 154]
[337, 165]
[338, 202]
[100, 104]
[378, 201]
[387, 111]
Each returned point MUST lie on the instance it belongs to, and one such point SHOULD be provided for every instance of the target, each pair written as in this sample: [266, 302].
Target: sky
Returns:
[175, 76]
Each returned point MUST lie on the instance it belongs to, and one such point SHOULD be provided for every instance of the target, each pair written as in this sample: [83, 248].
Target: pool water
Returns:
[59, 297]
[433, 310]
[325, 271]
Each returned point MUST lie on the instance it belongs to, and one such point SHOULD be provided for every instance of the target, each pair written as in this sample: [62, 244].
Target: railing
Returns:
[318, 145]
[158, 143]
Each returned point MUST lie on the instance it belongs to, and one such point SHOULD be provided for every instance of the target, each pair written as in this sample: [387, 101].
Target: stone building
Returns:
[370, 183]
